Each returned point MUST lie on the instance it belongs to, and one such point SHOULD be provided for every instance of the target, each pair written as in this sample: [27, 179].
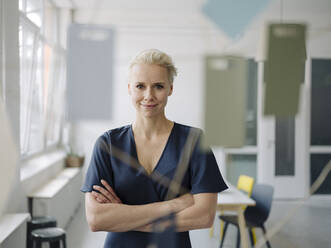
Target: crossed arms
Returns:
[106, 212]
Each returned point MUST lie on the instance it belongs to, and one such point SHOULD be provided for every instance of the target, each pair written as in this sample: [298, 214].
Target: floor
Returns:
[309, 227]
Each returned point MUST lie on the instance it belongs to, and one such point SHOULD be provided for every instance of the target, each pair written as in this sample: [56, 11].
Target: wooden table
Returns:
[234, 200]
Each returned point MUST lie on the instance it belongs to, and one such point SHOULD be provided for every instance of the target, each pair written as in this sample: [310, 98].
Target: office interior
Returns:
[46, 145]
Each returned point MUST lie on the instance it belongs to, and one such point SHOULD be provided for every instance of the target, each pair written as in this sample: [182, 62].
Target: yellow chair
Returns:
[245, 184]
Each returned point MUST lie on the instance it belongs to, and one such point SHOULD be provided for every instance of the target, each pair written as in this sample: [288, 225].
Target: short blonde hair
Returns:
[155, 57]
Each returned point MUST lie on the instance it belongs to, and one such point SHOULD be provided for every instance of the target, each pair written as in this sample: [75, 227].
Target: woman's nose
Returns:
[149, 94]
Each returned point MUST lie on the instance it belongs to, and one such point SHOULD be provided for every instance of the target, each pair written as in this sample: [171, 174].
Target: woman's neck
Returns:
[150, 127]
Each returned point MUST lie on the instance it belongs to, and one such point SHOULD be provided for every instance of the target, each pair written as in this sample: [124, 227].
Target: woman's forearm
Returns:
[186, 220]
[200, 215]
[193, 218]
[114, 217]
[121, 218]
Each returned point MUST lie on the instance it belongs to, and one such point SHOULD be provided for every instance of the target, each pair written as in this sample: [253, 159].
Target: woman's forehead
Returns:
[147, 72]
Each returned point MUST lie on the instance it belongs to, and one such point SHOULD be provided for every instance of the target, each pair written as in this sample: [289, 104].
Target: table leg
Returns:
[242, 228]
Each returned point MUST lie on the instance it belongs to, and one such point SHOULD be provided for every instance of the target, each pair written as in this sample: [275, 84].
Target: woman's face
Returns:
[149, 88]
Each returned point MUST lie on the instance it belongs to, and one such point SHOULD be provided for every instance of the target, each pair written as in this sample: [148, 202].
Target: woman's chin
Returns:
[150, 113]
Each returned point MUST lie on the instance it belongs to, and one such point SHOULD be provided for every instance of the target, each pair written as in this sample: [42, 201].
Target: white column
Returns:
[10, 21]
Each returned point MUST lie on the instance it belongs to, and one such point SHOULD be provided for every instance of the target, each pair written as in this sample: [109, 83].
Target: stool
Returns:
[52, 235]
[37, 223]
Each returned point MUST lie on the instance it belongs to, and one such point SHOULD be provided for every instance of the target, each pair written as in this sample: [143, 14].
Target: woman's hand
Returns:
[106, 194]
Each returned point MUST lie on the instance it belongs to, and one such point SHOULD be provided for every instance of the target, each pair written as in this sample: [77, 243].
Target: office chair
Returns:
[255, 216]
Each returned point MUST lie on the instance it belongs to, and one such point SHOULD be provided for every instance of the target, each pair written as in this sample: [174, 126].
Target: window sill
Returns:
[10, 222]
[50, 189]
[37, 171]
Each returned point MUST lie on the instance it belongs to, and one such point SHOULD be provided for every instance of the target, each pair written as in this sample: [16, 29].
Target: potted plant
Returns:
[74, 159]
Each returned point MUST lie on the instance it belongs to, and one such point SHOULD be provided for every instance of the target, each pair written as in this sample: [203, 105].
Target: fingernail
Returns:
[95, 186]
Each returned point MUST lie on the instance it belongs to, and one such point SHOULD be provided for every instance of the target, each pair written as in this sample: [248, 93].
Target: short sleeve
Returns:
[205, 174]
[100, 165]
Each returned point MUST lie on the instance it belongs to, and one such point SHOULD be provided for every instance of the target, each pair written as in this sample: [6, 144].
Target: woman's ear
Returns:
[129, 89]
[171, 89]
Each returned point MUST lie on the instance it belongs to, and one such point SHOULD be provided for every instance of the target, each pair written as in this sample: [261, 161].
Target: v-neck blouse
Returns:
[135, 187]
[161, 155]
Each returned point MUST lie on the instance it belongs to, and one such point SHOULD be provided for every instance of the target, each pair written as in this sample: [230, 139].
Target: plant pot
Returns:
[74, 161]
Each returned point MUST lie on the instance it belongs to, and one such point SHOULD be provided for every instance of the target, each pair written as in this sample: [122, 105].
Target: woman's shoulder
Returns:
[187, 128]
[116, 133]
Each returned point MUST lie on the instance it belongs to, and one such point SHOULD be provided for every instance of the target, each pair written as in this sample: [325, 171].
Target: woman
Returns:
[121, 198]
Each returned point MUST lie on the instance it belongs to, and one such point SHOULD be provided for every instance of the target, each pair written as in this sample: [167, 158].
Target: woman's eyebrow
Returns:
[140, 82]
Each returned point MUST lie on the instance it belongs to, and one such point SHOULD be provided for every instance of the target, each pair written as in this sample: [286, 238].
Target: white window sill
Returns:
[37, 171]
[34, 166]
[50, 189]
[10, 222]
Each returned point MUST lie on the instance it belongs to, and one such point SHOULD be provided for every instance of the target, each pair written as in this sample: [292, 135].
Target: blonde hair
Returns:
[155, 57]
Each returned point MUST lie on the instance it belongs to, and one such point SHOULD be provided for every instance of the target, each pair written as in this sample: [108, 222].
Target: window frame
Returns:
[57, 50]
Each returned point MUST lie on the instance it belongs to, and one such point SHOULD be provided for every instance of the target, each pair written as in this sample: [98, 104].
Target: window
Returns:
[240, 164]
[320, 102]
[317, 164]
[320, 139]
[285, 146]
[244, 160]
[54, 94]
[42, 77]
[33, 10]
[251, 109]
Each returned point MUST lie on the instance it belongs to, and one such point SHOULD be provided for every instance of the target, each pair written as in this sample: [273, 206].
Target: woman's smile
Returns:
[149, 106]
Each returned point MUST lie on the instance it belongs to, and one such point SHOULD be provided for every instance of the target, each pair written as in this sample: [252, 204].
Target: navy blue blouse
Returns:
[133, 186]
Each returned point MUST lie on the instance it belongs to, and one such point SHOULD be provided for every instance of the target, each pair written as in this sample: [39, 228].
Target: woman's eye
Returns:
[139, 86]
[159, 86]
